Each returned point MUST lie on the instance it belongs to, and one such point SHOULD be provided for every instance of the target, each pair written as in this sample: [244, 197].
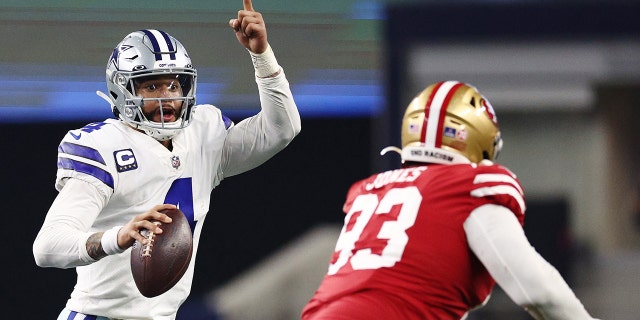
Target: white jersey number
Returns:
[366, 208]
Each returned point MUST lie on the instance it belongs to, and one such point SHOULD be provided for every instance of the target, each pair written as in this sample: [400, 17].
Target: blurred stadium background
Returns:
[563, 77]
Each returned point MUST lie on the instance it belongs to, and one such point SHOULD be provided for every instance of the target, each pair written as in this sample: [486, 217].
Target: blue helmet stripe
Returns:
[100, 174]
[166, 37]
[81, 151]
[154, 43]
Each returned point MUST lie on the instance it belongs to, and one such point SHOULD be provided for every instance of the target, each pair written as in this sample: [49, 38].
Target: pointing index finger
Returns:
[247, 5]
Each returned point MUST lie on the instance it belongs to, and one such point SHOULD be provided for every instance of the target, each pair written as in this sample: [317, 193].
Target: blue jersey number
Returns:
[181, 194]
[92, 127]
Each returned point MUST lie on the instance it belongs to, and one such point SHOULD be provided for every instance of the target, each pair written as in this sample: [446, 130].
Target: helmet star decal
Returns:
[115, 55]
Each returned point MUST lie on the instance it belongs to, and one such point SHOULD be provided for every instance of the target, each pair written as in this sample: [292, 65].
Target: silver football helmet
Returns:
[142, 54]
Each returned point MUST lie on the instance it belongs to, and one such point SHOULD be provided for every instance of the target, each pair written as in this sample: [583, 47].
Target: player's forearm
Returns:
[280, 114]
[256, 139]
[546, 294]
[61, 247]
[280, 118]
[64, 239]
[94, 246]
[497, 239]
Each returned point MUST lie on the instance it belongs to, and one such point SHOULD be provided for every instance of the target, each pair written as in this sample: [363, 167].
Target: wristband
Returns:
[109, 241]
[265, 63]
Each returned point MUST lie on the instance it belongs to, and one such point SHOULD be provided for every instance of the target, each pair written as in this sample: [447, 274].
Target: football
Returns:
[157, 266]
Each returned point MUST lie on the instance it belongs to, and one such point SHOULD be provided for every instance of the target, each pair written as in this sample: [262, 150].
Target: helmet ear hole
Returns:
[497, 147]
[114, 108]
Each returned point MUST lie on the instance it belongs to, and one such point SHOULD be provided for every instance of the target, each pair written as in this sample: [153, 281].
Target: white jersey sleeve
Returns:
[62, 239]
[498, 240]
[254, 140]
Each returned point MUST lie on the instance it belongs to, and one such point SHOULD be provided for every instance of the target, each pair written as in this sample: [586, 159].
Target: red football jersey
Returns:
[403, 253]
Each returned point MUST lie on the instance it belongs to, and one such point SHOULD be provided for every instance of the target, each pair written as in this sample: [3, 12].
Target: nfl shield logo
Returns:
[175, 162]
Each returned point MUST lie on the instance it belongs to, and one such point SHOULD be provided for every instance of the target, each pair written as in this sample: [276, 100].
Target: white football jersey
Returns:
[136, 173]
[131, 173]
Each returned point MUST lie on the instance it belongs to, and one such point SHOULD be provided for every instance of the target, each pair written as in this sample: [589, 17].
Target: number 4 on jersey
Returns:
[364, 211]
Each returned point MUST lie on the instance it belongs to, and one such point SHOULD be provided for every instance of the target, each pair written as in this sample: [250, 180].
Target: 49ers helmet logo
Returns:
[489, 109]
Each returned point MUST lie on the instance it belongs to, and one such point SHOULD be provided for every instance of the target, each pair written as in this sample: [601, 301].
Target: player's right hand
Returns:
[130, 232]
[250, 28]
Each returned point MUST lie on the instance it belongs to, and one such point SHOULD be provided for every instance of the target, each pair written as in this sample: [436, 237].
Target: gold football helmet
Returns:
[449, 122]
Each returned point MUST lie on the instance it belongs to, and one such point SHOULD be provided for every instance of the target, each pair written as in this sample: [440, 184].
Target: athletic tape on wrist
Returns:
[109, 241]
[265, 63]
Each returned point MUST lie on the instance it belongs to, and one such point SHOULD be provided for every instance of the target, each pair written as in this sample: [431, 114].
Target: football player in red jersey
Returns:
[431, 239]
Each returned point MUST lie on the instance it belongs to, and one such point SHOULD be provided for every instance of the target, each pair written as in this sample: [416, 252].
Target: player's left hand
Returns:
[250, 29]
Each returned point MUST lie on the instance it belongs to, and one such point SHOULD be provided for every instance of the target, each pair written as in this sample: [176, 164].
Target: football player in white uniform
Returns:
[162, 151]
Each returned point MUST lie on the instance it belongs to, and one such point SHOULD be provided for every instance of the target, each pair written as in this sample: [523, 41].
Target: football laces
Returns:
[150, 236]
